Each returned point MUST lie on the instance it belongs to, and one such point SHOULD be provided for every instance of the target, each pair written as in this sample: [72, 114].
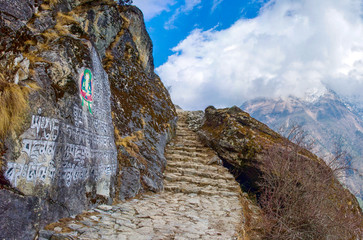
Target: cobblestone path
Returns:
[201, 200]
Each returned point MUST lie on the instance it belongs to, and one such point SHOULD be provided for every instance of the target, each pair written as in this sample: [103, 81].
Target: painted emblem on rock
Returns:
[86, 88]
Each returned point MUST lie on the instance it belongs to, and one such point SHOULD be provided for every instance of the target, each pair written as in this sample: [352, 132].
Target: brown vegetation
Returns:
[13, 103]
[301, 198]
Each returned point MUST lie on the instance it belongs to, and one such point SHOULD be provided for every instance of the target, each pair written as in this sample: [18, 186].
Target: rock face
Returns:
[94, 128]
[238, 139]
[244, 143]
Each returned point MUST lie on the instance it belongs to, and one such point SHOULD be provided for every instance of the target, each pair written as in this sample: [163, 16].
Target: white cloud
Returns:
[152, 8]
[215, 4]
[188, 6]
[291, 47]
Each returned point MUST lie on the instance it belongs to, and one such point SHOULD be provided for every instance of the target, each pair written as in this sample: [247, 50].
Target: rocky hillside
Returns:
[298, 193]
[84, 119]
[327, 119]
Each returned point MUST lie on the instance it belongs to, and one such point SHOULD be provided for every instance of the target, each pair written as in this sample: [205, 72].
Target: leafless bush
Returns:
[339, 160]
[301, 198]
[296, 134]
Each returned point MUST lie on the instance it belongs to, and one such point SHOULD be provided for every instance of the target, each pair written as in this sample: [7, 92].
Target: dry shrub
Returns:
[63, 22]
[302, 199]
[13, 104]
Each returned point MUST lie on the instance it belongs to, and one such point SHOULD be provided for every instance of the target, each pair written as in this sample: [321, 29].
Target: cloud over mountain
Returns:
[289, 48]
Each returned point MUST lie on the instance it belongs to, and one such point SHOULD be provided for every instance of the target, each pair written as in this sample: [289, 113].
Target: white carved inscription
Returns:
[30, 172]
[38, 149]
[40, 152]
[46, 128]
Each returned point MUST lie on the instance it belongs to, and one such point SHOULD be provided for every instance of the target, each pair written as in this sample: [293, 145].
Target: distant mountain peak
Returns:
[314, 94]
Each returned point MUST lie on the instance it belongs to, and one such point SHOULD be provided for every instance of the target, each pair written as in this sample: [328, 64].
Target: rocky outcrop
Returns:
[255, 153]
[93, 117]
[238, 139]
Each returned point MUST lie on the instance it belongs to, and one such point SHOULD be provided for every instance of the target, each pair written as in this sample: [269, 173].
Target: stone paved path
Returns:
[201, 200]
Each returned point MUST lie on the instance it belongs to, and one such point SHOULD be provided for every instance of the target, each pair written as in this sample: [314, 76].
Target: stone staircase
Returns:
[201, 200]
[191, 169]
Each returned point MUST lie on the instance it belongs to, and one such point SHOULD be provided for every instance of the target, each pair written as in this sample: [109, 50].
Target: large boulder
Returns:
[93, 118]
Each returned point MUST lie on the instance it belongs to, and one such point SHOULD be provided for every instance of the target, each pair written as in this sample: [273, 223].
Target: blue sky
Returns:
[224, 52]
[178, 19]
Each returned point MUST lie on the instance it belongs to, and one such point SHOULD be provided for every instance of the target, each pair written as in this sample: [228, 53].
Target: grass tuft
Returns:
[13, 105]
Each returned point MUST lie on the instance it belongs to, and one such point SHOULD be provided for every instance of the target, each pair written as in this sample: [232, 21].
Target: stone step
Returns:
[185, 139]
[185, 143]
[187, 136]
[202, 181]
[185, 129]
[192, 165]
[188, 141]
[199, 148]
[187, 153]
[185, 186]
[188, 188]
[195, 173]
[187, 156]
[185, 132]
[189, 148]
[187, 160]
[183, 126]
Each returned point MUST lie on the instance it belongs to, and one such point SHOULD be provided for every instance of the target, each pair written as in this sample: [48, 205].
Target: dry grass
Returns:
[129, 144]
[61, 27]
[48, 4]
[30, 42]
[65, 19]
[129, 141]
[108, 60]
[50, 35]
[34, 58]
[45, 6]
[13, 105]
[110, 2]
